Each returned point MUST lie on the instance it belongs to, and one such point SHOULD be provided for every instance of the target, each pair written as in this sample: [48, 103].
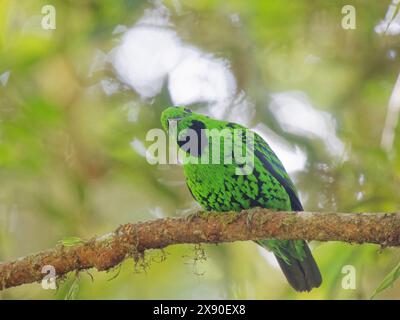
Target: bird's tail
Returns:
[303, 275]
[300, 270]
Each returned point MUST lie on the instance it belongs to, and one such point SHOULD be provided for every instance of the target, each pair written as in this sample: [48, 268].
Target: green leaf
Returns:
[73, 290]
[71, 241]
[388, 281]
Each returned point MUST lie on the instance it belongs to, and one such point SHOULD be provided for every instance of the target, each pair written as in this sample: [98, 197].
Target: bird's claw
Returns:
[192, 216]
[249, 218]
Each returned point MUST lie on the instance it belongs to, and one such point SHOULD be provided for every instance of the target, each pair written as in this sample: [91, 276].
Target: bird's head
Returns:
[195, 134]
[183, 120]
[174, 114]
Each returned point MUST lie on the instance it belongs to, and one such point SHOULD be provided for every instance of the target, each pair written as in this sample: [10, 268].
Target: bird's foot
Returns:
[249, 218]
[195, 214]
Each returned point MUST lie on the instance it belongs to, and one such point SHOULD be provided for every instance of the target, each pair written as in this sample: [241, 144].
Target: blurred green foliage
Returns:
[67, 168]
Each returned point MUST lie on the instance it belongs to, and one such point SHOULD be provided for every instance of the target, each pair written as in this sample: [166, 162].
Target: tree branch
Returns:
[131, 240]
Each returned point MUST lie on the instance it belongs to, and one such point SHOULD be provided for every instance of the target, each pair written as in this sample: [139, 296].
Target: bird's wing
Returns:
[275, 167]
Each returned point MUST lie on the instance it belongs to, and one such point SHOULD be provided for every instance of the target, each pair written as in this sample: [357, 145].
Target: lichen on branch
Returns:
[131, 240]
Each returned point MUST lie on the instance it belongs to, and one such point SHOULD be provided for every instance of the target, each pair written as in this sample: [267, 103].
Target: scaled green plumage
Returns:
[218, 187]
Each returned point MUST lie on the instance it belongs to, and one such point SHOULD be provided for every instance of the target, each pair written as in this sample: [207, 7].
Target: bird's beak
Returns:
[173, 125]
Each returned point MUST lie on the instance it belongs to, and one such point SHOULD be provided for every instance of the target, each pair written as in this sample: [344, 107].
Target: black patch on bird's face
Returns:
[187, 110]
[198, 127]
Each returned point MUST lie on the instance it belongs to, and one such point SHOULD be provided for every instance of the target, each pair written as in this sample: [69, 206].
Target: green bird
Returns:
[225, 186]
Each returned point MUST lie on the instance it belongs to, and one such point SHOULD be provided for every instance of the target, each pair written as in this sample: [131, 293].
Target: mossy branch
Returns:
[131, 240]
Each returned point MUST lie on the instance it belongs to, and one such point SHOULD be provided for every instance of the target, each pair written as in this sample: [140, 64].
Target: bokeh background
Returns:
[76, 103]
